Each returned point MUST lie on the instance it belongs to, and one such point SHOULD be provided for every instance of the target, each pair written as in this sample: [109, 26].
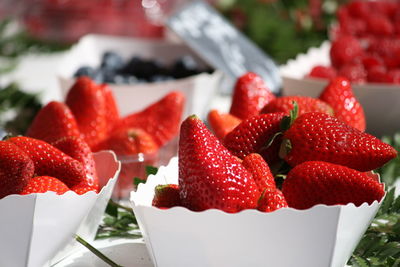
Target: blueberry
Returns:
[160, 78]
[112, 61]
[108, 74]
[188, 63]
[85, 71]
[130, 79]
[132, 66]
[184, 67]
[98, 76]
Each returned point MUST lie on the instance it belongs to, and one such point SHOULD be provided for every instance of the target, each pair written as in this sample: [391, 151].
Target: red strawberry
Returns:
[345, 50]
[53, 121]
[378, 24]
[209, 176]
[271, 200]
[317, 182]
[262, 175]
[249, 96]
[253, 135]
[339, 95]
[378, 74]
[222, 123]
[359, 9]
[81, 188]
[78, 149]
[161, 119]
[323, 72]
[319, 137]
[166, 196]
[112, 114]
[355, 72]
[42, 184]
[50, 161]
[129, 142]
[16, 168]
[305, 104]
[87, 102]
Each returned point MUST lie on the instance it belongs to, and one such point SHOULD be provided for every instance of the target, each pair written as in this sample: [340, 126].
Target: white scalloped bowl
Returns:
[38, 229]
[320, 236]
[381, 102]
[198, 89]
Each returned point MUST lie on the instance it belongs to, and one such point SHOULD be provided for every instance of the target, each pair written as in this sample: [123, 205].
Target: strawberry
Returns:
[42, 184]
[344, 50]
[305, 104]
[378, 24]
[53, 121]
[262, 175]
[271, 200]
[323, 72]
[317, 182]
[319, 137]
[222, 123]
[87, 102]
[355, 72]
[161, 119]
[339, 95]
[252, 136]
[166, 196]
[78, 149]
[209, 175]
[129, 142]
[83, 188]
[49, 161]
[112, 114]
[16, 168]
[250, 95]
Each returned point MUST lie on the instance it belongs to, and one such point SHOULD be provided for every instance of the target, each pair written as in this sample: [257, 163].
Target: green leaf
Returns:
[137, 181]
[151, 170]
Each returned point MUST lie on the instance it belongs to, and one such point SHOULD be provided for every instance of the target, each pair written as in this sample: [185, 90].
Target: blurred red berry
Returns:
[354, 72]
[325, 72]
[345, 50]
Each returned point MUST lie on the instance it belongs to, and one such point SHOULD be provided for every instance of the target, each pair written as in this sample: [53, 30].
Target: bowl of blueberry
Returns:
[141, 71]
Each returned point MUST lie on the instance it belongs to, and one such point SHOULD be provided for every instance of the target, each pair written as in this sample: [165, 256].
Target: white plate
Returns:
[125, 252]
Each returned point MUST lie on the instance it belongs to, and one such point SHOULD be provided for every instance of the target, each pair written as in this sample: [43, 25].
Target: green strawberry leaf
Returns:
[151, 170]
[137, 181]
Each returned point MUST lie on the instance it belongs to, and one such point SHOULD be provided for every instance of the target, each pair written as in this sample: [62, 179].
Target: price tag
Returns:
[222, 45]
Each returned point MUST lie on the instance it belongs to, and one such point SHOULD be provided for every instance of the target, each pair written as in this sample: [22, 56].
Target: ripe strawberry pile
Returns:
[366, 45]
[56, 154]
[325, 159]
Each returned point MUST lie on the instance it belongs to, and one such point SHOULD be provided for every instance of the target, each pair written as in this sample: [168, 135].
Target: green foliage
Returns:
[119, 221]
[17, 109]
[283, 28]
[391, 171]
[20, 42]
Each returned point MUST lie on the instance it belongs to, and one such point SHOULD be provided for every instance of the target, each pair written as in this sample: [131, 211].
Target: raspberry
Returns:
[324, 72]
[370, 61]
[354, 72]
[394, 76]
[359, 9]
[344, 50]
[379, 25]
[377, 74]
[353, 26]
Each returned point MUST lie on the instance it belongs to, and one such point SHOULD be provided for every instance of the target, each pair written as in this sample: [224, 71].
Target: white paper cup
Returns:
[36, 227]
[198, 89]
[381, 102]
[319, 236]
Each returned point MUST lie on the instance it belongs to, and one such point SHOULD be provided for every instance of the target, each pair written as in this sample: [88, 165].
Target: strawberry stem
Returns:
[96, 252]
[287, 121]
[285, 148]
